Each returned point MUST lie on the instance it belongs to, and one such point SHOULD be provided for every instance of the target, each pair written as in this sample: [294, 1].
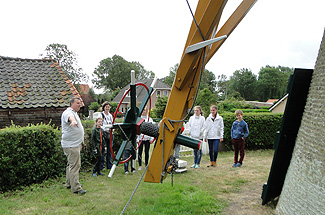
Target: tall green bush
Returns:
[29, 155]
[262, 129]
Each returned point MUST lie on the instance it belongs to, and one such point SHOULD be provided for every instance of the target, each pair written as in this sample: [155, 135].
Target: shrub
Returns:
[262, 129]
[232, 103]
[251, 110]
[94, 106]
[87, 157]
[29, 155]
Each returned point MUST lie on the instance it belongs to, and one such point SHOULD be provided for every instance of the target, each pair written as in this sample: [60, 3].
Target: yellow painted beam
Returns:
[208, 14]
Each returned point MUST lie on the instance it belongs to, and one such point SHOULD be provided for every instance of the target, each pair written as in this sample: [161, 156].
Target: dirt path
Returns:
[248, 202]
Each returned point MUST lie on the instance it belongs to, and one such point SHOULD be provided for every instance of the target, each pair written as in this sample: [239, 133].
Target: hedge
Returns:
[32, 154]
[29, 155]
[262, 129]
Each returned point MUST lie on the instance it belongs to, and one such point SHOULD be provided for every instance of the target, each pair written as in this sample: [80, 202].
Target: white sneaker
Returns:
[133, 171]
[140, 168]
[126, 173]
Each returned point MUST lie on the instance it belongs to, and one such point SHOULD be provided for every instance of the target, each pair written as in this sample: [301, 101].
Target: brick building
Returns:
[33, 91]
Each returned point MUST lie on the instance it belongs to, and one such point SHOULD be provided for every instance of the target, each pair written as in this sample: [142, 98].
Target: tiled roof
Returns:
[83, 88]
[33, 83]
[272, 100]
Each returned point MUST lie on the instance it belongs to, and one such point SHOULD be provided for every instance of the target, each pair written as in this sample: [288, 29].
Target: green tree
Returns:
[273, 82]
[222, 86]
[208, 79]
[114, 73]
[244, 82]
[169, 80]
[92, 93]
[205, 99]
[67, 60]
[160, 106]
[94, 106]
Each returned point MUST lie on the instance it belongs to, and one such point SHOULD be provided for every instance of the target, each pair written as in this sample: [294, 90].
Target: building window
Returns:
[165, 93]
[158, 93]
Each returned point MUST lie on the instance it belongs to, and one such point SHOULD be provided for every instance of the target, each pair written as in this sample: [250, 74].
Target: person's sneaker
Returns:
[140, 168]
[234, 165]
[238, 165]
[193, 166]
[94, 174]
[126, 172]
[82, 192]
[133, 171]
[100, 173]
[197, 166]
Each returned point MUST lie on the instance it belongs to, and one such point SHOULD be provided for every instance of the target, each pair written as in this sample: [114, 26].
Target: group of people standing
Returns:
[100, 137]
[211, 130]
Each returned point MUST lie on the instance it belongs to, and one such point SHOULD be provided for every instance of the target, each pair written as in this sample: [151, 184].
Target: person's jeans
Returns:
[213, 149]
[239, 146]
[197, 156]
[73, 167]
[108, 157]
[127, 154]
[146, 144]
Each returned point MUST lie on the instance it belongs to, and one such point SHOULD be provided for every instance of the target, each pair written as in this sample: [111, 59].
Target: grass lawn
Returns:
[220, 190]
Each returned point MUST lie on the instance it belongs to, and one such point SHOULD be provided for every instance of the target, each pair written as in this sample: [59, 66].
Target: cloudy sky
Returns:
[274, 32]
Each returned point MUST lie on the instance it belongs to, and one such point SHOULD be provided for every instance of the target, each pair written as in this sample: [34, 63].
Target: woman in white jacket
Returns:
[213, 133]
[196, 127]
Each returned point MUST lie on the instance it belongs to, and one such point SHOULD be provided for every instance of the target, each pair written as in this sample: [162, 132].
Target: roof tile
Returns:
[33, 83]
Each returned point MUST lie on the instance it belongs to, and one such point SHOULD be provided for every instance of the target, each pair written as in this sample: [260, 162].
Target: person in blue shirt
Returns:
[239, 132]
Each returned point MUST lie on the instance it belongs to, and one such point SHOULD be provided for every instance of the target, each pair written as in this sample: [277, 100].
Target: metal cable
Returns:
[202, 67]
[127, 204]
[195, 21]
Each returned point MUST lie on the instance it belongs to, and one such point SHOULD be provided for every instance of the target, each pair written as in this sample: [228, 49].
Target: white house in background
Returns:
[160, 89]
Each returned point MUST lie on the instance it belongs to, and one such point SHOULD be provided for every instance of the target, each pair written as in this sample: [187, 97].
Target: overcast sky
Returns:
[274, 32]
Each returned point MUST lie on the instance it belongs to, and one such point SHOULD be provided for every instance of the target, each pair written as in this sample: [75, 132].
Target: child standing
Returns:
[214, 134]
[239, 132]
[196, 127]
[98, 142]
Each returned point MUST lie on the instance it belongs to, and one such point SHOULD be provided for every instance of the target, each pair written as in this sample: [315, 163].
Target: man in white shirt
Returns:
[72, 139]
